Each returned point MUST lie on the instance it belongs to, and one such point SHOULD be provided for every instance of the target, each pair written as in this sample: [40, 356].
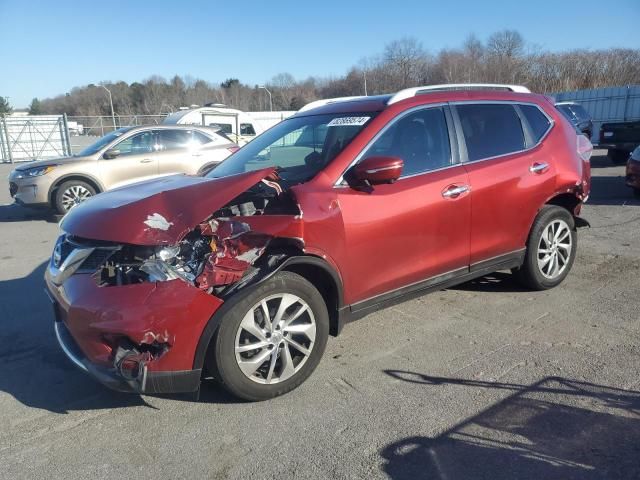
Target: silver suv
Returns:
[124, 156]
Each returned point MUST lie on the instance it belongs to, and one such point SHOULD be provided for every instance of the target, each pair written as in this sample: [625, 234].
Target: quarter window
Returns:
[420, 139]
[490, 130]
[538, 122]
[201, 138]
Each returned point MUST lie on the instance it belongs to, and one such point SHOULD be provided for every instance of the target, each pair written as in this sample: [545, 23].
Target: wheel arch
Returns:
[74, 176]
[572, 203]
[314, 269]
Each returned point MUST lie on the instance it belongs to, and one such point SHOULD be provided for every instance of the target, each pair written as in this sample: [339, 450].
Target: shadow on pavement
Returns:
[611, 191]
[556, 428]
[18, 213]
[35, 371]
[495, 282]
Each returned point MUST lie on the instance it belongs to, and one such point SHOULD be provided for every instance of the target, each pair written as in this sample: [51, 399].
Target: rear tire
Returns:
[618, 157]
[71, 193]
[288, 345]
[551, 249]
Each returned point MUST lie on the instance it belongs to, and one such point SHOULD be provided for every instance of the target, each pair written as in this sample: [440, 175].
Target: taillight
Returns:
[233, 149]
[584, 148]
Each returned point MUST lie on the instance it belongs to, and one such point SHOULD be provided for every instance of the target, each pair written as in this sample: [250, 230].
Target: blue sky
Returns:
[46, 48]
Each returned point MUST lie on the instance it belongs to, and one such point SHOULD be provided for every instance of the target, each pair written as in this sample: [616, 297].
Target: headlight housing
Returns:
[34, 172]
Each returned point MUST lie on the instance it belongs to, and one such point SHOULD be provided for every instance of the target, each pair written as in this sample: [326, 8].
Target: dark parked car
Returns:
[620, 139]
[245, 273]
[578, 116]
[632, 178]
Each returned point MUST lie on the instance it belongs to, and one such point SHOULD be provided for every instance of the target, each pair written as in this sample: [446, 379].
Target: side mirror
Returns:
[375, 171]
[111, 153]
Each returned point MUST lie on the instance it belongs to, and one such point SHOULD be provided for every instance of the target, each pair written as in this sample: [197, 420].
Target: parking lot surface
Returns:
[484, 380]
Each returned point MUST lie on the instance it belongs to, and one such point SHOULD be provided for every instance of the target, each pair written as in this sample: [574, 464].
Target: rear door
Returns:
[135, 162]
[415, 228]
[189, 151]
[509, 174]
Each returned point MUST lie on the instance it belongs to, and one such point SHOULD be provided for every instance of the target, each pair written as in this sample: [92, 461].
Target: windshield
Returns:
[102, 142]
[298, 147]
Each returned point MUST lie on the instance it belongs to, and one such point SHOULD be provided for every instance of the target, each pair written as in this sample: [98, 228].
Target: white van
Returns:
[236, 124]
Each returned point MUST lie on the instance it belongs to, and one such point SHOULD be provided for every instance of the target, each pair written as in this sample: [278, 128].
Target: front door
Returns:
[136, 161]
[416, 228]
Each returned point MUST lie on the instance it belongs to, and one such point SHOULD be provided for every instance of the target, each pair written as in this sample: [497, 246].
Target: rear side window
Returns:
[174, 139]
[538, 122]
[490, 130]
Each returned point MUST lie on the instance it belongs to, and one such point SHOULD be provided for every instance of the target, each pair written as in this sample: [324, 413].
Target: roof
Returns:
[373, 103]
[380, 102]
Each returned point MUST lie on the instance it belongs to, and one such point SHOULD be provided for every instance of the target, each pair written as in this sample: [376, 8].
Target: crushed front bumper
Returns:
[94, 324]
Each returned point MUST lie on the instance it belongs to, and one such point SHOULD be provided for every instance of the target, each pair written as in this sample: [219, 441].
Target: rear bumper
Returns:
[138, 338]
[627, 147]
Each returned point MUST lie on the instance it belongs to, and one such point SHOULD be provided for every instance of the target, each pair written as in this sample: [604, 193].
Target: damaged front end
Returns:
[137, 316]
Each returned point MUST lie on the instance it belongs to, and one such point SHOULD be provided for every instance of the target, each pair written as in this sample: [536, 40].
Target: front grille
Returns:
[65, 249]
[96, 259]
[13, 189]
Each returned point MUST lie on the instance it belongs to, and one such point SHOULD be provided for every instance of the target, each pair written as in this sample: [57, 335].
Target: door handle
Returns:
[455, 191]
[539, 167]
[146, 160]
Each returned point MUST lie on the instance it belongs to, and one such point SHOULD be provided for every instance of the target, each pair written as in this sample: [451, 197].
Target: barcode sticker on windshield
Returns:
[348, 121]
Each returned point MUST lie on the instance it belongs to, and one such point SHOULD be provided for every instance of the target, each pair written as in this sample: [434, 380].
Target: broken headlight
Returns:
[136, 264]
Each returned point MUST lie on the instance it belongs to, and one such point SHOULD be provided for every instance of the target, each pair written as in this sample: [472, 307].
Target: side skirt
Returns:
[439, 282]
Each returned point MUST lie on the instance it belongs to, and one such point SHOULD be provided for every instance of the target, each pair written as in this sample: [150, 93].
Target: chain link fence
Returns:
[33, 137]
[98, 126]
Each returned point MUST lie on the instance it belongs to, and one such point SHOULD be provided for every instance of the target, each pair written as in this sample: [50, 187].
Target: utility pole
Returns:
[364, 72]
[113, 114]
[267, 90]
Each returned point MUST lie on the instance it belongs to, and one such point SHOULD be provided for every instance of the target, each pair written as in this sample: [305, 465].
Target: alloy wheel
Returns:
[275, 338]
[74, 195]
[554, 249]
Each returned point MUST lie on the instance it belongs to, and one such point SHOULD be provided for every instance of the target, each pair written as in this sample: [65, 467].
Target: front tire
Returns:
[551, 249]
[70, 194]
[270, 338]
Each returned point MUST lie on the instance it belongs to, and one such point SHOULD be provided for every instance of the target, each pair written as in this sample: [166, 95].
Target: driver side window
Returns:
[420, 139]
[137, 144]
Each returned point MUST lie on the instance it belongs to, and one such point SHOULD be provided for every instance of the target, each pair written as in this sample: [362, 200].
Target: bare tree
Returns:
[504, 58]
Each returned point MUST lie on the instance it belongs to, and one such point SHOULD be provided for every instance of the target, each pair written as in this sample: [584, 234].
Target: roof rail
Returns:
[327, 101]
[412, 92]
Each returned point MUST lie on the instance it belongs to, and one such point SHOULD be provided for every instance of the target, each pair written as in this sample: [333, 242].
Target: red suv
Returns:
[344, 208]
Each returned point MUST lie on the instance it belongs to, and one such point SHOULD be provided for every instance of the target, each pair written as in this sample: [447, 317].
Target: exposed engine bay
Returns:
[215, 254]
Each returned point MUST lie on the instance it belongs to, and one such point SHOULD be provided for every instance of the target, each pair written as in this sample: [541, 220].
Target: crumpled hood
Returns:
[156, 212]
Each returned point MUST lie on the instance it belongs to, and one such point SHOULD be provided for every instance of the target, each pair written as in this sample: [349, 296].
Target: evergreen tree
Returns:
[35, 108]
[5, 108]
